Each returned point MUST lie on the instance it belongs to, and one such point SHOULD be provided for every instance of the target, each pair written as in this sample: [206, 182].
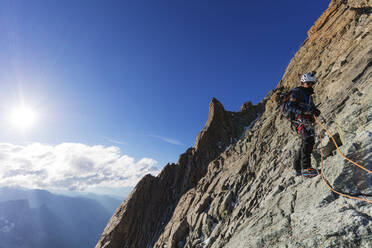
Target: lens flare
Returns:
[23, 117]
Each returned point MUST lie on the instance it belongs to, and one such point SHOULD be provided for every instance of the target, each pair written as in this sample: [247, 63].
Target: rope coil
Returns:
[346, 158]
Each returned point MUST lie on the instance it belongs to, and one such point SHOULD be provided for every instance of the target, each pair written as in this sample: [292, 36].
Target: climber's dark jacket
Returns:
[301, 101]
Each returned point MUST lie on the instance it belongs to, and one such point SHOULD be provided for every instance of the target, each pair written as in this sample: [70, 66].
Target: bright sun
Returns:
[23, 117]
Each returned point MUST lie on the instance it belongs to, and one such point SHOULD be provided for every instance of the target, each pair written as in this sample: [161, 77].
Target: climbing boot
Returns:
[310, 172]
[297, 173]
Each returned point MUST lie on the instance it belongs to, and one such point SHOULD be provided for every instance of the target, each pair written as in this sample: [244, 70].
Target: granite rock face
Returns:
[239, 191]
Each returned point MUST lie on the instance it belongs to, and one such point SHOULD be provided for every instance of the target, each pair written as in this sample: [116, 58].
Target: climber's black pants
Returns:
[302, 158]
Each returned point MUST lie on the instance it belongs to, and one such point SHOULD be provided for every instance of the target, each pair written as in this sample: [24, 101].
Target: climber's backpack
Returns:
[283, 107]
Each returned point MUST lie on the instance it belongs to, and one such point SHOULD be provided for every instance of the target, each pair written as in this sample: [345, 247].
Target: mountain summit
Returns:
[235, 187]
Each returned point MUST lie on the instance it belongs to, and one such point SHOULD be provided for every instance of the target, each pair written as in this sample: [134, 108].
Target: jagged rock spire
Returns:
[217, 129]
[148, 209]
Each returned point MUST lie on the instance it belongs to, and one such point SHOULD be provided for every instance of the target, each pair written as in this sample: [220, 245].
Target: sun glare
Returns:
[23, 117]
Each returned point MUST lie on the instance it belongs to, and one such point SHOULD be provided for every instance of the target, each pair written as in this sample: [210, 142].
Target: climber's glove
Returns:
[310, 112]
[316, 112]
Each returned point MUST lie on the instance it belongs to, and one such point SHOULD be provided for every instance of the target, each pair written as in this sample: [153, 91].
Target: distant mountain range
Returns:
[41, 219]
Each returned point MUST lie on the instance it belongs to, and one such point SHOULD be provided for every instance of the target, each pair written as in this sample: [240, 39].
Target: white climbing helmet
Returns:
[308, 77]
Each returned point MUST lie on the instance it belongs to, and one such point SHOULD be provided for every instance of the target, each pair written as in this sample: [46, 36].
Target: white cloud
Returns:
[116, 141]
[70, 166]
[168, 140]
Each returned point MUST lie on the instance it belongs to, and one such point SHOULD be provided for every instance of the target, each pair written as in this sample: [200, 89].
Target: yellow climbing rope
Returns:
[338, 149]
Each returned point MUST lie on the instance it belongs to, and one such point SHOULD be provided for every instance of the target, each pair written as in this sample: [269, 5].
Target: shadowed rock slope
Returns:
[227, 193]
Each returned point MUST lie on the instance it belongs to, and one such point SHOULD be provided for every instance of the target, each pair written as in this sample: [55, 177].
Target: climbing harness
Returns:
[304, 122]
[342, 155]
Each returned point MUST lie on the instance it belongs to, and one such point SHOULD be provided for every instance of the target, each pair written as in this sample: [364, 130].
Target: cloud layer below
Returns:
[70, 166]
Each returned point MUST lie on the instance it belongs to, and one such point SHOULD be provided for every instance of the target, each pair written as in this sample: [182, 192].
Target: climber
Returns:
[303, 108]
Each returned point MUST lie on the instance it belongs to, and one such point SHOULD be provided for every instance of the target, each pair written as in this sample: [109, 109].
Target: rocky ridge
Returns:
[139, 221]
[242, 193]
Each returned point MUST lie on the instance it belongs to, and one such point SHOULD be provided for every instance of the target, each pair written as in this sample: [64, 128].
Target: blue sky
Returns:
[138, 75]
